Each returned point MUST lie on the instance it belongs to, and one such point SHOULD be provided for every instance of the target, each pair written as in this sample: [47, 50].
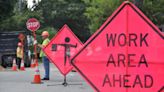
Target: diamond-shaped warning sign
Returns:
[124, 55]
[61, 49]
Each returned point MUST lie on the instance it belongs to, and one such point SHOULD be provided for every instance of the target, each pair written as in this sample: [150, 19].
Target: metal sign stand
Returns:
[66, 57]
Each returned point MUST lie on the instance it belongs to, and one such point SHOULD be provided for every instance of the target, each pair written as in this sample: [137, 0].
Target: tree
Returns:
[138, 3]
[6, 8]
[98, 11]
[154, 10]
[56, 13]
[15, 20]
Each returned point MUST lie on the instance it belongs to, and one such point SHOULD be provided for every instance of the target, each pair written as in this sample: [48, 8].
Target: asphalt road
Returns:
[20, 81]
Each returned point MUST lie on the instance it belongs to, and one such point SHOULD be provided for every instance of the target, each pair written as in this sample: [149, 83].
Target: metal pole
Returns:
[35, 49]
[65, 81]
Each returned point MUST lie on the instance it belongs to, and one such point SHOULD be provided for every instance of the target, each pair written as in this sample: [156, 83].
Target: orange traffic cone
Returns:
[33, 63]
[14, 67]
[22, 65]
[37, 79]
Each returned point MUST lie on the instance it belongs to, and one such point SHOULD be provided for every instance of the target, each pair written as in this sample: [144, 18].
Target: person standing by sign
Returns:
[45, 60]
[19, 54]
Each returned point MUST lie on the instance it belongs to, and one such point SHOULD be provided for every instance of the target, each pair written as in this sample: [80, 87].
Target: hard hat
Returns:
[19, 44]
[45, 33]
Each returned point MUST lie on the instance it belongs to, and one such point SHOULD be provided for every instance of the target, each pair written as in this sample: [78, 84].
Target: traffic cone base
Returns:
[33, 63]
[14, 66]
[37, 79]
[22, 68]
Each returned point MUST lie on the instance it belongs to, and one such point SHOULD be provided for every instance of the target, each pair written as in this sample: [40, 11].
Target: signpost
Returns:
[33, 25]
[61, 49]
[124, 55]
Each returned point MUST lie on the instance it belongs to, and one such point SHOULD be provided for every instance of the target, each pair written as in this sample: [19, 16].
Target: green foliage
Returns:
[18, 21]
[6, 8]
[56, 13]
[98, 11]
[154, 9]
[51, 31]
[82, 16]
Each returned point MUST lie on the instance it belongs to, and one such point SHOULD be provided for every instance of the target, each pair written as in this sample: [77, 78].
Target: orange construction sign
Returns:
[125, 55]
[61, 49]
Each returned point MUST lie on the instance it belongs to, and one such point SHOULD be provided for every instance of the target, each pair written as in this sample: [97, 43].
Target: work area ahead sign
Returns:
[125, 55]
[61, 49]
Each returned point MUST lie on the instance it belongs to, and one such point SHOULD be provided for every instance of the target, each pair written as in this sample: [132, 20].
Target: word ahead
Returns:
[124, 81]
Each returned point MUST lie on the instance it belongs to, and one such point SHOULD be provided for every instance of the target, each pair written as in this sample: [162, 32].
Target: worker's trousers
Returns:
[46, 65]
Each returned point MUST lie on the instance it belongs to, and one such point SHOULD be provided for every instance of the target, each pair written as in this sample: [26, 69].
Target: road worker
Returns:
[19, 54]
[45, 60]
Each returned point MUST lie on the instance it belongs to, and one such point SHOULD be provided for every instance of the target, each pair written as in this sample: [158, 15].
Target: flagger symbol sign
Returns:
[67, 47]
[61, 48]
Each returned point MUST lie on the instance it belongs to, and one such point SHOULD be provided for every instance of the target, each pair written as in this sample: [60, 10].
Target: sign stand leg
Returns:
[65, 84]
[65, 81]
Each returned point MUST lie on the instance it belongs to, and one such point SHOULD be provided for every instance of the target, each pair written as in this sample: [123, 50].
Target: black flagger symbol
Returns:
[67, 46]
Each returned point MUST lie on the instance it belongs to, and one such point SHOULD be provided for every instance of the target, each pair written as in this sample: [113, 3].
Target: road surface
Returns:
[20, 81]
